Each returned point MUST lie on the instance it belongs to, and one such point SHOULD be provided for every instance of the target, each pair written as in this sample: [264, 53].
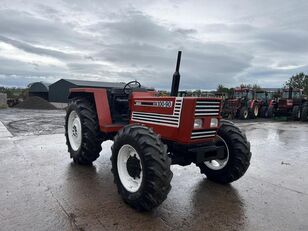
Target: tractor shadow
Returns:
[218, 206]
[91, 196]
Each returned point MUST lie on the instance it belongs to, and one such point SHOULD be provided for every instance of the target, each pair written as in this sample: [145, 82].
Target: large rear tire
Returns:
[296, 114]
[270, 112]
[244, 113]
[237, 156]
[141, 167]
[304, 116]
[83, 137]
[264, 112]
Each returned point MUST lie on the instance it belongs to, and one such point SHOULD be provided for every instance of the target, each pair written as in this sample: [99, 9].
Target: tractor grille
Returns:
[161, 119]
[201, 134]
[207, 108]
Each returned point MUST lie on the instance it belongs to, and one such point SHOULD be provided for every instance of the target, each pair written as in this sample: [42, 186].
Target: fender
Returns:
[251, 103]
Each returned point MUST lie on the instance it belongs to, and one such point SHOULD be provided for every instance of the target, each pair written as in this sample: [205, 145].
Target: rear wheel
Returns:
[141, 167]
[264, 112]
[236, 159]
[270, 112]
[304, 116]
[296, 114]
[81, 131]
[244, 113]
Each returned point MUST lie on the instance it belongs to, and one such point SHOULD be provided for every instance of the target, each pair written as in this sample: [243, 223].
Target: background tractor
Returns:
[292, 103]
[242, 104]
[150, 133]
[266, 101]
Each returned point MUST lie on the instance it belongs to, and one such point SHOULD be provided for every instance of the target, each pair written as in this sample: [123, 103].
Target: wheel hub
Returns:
[74, 131]
[133, 167]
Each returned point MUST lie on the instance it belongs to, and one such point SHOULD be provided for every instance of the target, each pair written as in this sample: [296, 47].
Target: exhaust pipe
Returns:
[176, 76]
[290, 92]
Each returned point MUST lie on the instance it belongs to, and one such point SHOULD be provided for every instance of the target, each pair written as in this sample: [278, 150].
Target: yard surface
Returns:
[41, 189]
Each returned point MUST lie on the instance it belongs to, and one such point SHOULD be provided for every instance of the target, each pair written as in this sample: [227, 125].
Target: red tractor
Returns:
[292, 103]
[266, 101]
[150, 133]
[242, 105]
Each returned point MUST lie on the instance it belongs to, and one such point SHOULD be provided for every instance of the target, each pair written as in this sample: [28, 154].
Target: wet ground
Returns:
[40, 188]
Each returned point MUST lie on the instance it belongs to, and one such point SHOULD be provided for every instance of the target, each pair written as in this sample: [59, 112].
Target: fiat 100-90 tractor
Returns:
[150, 133]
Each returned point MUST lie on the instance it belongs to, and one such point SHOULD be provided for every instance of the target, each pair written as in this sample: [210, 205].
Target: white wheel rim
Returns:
[256, 111]
[219, 164]
[74, 130]
[130, 183]
[245, 114]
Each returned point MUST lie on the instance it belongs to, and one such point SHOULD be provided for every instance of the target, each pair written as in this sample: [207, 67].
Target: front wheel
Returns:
[237, 156]
[254, 113]
[141, 167]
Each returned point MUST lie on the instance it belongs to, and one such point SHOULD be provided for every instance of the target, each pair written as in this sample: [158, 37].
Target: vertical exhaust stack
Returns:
[176, 76]
[290, 92]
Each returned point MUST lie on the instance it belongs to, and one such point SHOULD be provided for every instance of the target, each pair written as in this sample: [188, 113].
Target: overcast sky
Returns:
[227, 42]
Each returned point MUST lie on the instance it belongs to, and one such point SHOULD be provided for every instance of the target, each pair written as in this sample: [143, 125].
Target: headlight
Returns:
[198, 123]
[214, 123]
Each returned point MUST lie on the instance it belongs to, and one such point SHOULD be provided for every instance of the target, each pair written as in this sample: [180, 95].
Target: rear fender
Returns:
[100, 98]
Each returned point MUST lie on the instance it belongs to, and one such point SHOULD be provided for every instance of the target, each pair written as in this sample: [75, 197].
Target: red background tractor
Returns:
[292, 103]
[150, 133]
[242, 104]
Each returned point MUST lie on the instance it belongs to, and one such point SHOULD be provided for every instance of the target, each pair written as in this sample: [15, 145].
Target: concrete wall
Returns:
[3, 100]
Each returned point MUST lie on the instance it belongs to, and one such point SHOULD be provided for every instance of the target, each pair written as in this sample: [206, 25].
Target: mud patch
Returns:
[33, 122]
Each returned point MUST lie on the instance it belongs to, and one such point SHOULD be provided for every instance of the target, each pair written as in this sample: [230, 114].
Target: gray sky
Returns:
[227, 42]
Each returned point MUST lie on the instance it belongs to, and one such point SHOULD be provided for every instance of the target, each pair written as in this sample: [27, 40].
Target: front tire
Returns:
[82, 133]
[141, 167]
[254, 113]
[237, 156]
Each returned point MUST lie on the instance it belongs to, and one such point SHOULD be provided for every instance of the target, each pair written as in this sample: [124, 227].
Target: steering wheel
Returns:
[130, 85]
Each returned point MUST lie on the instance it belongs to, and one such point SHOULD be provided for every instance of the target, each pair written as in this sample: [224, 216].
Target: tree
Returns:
[256, 87]
[300, 81]
[222, 88]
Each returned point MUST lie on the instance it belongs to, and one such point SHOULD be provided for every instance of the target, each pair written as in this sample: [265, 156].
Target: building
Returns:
[59, 91]
[39, 89]
[3, 100]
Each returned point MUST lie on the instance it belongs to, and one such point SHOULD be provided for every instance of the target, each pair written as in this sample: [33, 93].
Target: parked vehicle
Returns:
[150, 133]
[266, 101]
[292, 103]
[242, 104]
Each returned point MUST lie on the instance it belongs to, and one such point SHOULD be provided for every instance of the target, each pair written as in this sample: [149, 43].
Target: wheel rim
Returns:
[245, 114]
[219, 163]
[129, 167]
[256, 111]
[74, 130]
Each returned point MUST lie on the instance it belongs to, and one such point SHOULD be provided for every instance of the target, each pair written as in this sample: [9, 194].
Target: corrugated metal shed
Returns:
[58, 91]
[40, 89]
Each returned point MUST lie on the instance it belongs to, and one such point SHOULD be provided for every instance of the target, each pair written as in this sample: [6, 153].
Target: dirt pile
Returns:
[35, 103]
